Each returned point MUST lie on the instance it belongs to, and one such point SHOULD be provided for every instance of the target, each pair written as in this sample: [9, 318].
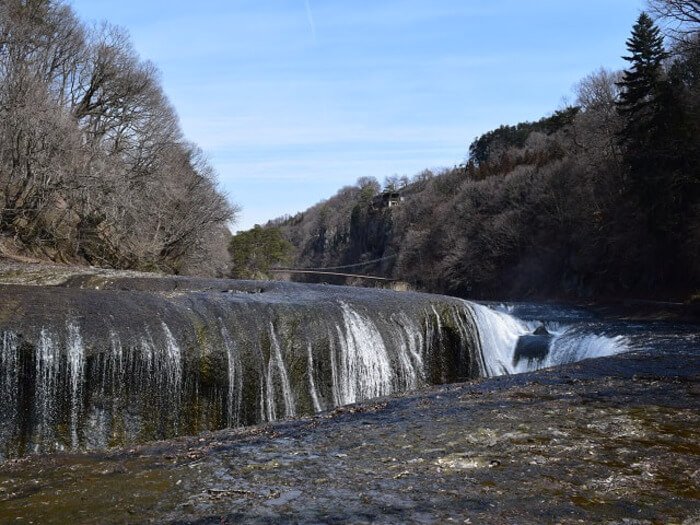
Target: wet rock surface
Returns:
[609, 440]
[95, 358]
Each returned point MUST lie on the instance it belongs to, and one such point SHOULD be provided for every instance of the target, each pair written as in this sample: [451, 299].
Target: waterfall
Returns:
[410, 344]
[76, 363]
[9, 383]
[276, 364]
[499, 333]
[143, 363]
[172, 362]
[570, 346]
[235, 379]
[48, 363]
[364, 370]
[130, 367]
[312, 383]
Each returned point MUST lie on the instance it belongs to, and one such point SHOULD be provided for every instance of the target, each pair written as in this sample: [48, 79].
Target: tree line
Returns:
[598, 199]
[94, 167]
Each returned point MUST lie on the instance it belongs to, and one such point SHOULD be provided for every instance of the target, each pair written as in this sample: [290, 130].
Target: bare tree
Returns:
[597, 124]
[682, 16]
[598, 90]
[93, 165]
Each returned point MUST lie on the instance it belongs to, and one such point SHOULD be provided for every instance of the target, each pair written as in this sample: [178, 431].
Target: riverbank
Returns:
[609, 440]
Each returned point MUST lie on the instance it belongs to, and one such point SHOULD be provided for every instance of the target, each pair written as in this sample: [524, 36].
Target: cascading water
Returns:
[48, 362]
[235, 378]
[140, 365]
[9, 379]
[277, 367]
[76, 362]
[364, 370]
[411, 342]
[312, 383]
[499, 333]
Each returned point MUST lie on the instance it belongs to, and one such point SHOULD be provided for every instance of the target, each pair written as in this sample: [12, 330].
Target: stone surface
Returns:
[99, 358]
[609, 440]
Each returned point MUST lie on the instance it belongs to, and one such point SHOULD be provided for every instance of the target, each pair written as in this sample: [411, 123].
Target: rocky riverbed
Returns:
[608, 440]
[95, 359]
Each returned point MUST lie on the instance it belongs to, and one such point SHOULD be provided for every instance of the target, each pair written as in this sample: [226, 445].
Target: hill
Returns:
[94, 168]
[598, 199]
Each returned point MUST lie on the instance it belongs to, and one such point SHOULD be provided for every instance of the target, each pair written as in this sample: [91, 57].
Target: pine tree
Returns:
[643, 102]
[641, 84]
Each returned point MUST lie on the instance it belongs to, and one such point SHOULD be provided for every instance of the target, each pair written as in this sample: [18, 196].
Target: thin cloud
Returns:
[310, 16]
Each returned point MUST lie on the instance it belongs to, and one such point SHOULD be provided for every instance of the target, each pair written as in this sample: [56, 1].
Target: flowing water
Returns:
[569, 340]
[118, 362]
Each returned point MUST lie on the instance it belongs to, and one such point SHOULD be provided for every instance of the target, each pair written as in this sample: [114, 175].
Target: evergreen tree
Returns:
[659, 141]
[641, 84]
[255, 251]
[643, 103]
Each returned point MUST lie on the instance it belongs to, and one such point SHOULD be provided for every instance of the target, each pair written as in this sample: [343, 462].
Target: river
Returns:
[99, 361]
[131, 399]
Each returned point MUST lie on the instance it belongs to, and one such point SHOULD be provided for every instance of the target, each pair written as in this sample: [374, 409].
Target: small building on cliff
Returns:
[387, 199]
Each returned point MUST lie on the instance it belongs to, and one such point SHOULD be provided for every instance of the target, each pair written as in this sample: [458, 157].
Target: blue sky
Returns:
[293, 99]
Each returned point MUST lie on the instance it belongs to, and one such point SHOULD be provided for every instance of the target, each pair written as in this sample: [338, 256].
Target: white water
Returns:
[312, 383]
[47, 359]
[172, 362]
[113, 362]
[410, 343]
[76, 364]
[570, 346]
[147, 350]
[138, 382]
[235, 379]
[276, 364]
[9, 379]
[499, 332]
[363, 367]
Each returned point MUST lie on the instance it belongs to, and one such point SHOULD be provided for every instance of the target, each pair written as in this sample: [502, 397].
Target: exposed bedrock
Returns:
[109, 361]
[100, 360]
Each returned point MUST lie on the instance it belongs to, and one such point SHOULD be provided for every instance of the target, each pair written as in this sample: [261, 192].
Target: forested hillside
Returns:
[93, 165]
[597, 199]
